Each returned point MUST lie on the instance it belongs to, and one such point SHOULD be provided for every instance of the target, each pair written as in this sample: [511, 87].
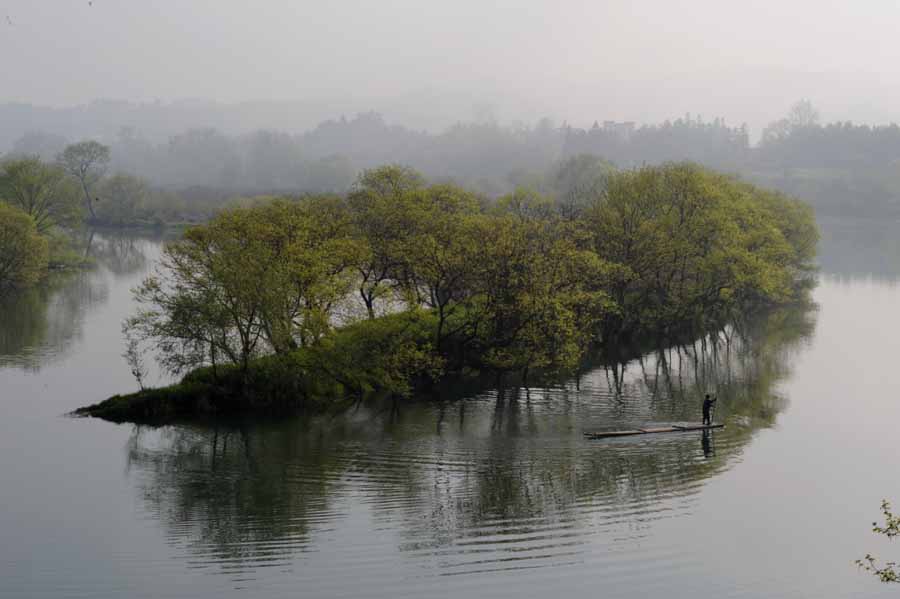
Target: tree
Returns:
[803, 114]
[310, 245]
[691, 246]
[121, 199]
[578, 181]
[202, 156]
[890, 571]
[437, 251]
[251, 281]
[271, 160]
[134, 356]
[386, 181]
[86, 161]
[40, 190]
[23, 252]
[376, 206]
[537, 293]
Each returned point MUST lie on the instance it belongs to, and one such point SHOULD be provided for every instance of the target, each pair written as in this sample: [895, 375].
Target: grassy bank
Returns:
[388, 355]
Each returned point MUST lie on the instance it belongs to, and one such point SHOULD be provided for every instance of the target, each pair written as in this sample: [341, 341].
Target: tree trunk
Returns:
[440, 329]
[369, 301]
[87, 200]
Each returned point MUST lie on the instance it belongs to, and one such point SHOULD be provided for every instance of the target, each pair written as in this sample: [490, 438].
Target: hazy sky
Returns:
[639, 60]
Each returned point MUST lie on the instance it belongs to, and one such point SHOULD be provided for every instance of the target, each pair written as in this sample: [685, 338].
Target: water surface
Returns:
[494, 495]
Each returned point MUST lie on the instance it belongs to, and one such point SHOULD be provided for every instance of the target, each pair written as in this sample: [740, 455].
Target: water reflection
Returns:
[707, 445]
[854, 249]
[503, 480]
[40, 325]
[121, 253]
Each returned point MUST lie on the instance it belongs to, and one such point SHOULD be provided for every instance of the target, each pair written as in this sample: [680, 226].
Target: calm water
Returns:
[496, 495]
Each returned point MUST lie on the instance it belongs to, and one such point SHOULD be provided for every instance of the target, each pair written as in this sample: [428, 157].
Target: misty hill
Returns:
[157, 121]
[841, 168]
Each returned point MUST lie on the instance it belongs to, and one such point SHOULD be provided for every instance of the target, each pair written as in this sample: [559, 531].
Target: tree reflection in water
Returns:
[122, 253]
[500, 480]
[40, 325]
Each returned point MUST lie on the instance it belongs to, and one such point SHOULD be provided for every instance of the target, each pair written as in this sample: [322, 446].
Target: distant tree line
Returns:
[714, 144]
[841, 168]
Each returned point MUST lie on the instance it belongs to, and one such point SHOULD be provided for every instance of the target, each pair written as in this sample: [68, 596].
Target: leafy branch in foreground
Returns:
[889, 572]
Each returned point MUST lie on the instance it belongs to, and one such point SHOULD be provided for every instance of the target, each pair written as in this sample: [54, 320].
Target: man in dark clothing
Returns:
[707, 407]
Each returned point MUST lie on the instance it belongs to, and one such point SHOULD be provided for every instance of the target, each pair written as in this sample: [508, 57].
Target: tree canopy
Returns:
[519, 284]
[23, 252]
[692, 246]
[40, 190]
[86, 161]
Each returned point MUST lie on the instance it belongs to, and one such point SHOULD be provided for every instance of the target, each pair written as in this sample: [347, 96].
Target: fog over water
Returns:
[209, 104]
[429, 64]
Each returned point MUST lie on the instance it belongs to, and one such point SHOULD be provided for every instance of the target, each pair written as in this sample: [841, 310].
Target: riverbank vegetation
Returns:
[23, 252]
[401, 284]
[39, 209]
[61, 198]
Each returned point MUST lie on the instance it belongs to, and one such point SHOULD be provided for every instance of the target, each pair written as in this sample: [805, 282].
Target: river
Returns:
[496, 494]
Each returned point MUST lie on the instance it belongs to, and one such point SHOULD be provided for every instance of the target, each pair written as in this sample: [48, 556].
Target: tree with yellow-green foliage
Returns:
[23, 252]
[377, 213]
[40, 190]
[538, 292]
[436, 255]
[519, 284]
[692, 246]
[252, 281]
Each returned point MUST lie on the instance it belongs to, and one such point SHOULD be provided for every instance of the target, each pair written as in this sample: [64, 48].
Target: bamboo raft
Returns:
[675, 428]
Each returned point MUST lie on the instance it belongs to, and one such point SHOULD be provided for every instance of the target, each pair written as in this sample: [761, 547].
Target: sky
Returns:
[572, 60]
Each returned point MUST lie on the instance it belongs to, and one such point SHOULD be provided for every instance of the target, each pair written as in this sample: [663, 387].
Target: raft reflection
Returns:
[498, 481]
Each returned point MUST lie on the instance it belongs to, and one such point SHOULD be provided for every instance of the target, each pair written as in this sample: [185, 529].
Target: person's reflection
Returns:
[706, 443]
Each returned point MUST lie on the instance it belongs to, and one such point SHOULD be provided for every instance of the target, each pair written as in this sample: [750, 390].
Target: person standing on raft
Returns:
[707, 408]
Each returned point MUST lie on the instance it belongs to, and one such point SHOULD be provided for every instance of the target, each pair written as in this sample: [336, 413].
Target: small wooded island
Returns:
[314, 302]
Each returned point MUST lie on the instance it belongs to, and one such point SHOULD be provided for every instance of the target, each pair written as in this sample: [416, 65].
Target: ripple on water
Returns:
[500, 482]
